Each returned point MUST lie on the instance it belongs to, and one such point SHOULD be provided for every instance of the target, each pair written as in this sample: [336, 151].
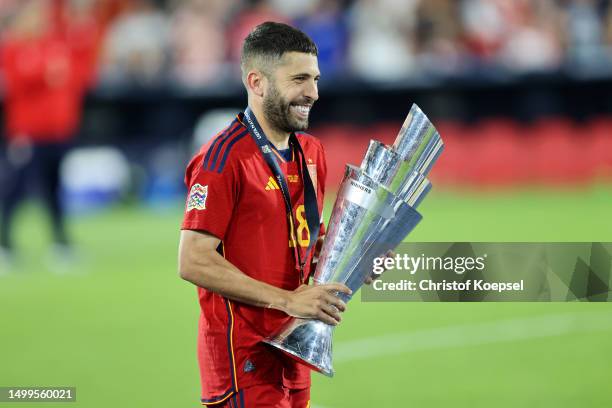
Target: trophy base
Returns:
[307, 341]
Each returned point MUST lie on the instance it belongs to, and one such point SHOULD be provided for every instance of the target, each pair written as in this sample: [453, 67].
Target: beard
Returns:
[277, 111]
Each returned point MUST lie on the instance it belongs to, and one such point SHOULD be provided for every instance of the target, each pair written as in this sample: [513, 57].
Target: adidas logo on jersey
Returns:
[272, 185]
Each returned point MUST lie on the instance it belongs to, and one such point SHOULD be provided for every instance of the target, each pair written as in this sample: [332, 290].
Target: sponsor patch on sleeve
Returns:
[197, 197]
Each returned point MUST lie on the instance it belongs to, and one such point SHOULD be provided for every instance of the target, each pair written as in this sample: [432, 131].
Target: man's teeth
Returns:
[302, 109]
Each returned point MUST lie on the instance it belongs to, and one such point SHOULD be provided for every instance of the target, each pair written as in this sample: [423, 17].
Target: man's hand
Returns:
[373, 276]
[317, 302]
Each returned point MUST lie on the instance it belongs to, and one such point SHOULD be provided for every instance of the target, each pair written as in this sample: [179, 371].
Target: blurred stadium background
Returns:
[519, 90]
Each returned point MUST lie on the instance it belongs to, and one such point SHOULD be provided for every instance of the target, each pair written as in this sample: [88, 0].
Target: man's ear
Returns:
[256, 83]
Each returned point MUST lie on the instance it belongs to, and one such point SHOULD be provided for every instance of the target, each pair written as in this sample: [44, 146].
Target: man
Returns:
[48, 62]
[251, 223]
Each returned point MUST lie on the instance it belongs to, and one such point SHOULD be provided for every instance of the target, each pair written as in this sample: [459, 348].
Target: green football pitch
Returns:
[121, 326]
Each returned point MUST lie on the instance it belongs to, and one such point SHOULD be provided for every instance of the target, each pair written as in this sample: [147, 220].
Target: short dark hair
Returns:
[269, 41]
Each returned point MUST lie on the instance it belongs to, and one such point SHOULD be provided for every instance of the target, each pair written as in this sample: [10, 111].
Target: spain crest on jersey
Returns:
[197, 197]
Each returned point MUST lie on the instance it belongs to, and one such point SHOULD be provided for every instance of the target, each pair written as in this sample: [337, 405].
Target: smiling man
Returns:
[251, 226]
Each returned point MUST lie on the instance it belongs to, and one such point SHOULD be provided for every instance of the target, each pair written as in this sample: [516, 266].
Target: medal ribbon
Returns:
[310, 197]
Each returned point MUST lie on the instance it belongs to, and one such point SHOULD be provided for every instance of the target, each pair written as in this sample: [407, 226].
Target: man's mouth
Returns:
[301, 111]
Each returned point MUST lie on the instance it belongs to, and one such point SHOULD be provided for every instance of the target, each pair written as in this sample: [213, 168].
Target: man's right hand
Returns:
[317, 302]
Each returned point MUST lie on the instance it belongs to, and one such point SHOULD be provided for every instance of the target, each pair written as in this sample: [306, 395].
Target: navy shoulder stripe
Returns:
[216, 141]
[229, 147]
[225, 138]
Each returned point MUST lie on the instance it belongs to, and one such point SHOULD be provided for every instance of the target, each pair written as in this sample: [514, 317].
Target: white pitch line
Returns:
[472, 334]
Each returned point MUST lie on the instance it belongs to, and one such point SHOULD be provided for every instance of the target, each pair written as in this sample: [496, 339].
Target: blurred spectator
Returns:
[382, 38]
[296, 9]
[7, 9]
[47, 64]
[438, 35]
[608, 27]
[254, 13]
[485, 23]
[136, 44]
[324, 22]
[534, 42]
[584, 28]
[195, 23]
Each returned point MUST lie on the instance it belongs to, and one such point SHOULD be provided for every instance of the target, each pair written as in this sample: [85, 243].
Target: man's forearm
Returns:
[213, 272]
[202, 265]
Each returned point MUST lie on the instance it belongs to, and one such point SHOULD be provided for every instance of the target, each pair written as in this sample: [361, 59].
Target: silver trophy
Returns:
[374, 211]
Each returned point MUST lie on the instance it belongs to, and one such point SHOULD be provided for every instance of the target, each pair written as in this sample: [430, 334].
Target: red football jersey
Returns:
[234, 196]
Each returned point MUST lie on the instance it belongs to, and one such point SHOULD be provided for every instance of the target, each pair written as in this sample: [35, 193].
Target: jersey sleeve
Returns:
[211, 197]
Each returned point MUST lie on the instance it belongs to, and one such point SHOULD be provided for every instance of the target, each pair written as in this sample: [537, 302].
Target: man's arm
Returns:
[202, 265]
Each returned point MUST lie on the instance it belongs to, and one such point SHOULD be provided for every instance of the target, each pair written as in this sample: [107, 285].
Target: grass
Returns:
[121, 326]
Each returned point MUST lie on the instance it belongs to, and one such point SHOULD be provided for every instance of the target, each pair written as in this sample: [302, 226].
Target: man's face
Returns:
[291, 92]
